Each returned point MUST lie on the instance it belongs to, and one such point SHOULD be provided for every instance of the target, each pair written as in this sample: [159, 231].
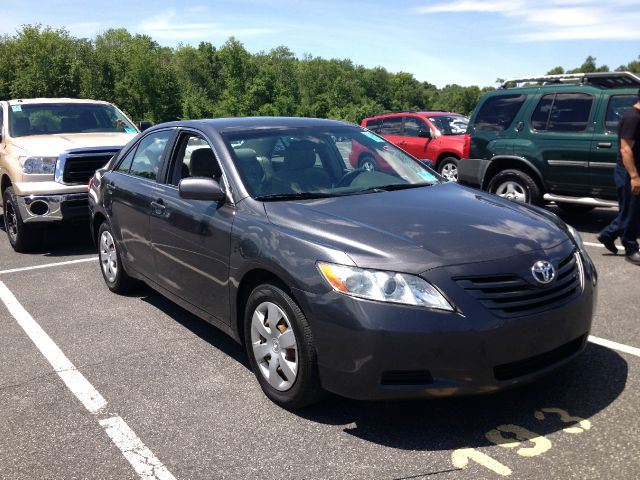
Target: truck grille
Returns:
[512, 296]
[79, 165]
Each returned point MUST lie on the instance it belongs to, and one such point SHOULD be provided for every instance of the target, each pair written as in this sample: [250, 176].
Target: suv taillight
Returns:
[466, 150]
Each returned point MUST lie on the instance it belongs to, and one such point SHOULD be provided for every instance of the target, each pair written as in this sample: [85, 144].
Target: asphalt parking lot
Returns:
[171, 397]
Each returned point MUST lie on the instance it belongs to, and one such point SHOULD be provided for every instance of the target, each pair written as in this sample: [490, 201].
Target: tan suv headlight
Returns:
[33, 165]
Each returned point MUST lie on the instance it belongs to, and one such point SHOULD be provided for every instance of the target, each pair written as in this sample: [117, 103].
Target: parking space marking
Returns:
[47, 265]
[615, 345]
[599, 245]
[144, 462]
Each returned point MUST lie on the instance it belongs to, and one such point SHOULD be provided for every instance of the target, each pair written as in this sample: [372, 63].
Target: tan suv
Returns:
[49, 149]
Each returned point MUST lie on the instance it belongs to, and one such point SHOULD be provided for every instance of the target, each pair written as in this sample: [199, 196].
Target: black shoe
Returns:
[608, 243]
[633, 258]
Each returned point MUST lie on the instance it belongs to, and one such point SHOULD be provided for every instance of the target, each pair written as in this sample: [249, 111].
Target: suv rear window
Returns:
[498, 112]
[562, 112]
[618, 104]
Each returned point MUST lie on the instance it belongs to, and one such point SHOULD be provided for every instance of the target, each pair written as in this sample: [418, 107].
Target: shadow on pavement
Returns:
[589, 222]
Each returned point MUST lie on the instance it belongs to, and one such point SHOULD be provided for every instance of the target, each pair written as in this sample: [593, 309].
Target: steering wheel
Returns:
[349, 177]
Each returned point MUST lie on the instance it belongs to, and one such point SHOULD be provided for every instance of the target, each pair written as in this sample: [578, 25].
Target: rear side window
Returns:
[391, 126]
[497, 112]
[562, 112]
[618, 104]
[148, 157]
[374, 124]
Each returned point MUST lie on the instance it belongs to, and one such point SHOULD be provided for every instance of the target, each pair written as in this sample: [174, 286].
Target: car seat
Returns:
[298, 172]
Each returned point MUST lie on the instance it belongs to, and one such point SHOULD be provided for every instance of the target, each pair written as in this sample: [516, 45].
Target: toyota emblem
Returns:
[543, 272]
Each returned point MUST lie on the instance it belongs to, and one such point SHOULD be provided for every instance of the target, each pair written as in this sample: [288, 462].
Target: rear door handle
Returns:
[604, 144]
[157, 207]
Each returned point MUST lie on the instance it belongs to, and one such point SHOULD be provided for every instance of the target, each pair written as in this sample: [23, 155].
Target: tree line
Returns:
[152, 82]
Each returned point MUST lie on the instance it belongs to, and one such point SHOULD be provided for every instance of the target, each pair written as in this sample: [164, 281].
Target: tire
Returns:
[22, 237]
[111, 266]
[368, 163]
[448, 168]
[282, 353]
[574, 207]
[517, 186]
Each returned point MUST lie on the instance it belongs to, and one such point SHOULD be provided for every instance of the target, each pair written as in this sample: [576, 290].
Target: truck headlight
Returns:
[383, 286]
[34, 165]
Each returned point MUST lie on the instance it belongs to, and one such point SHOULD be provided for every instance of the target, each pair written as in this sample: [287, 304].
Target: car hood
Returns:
[54, 145]
[418, 229]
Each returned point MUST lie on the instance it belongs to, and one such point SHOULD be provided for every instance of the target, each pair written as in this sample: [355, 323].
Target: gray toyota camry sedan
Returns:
[372, 284]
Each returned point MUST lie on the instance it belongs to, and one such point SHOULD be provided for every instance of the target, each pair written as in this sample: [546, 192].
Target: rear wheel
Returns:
[280, 347]
[448, 168]
[110, 262]
[22, 237]
[517, 186]
[368, 163]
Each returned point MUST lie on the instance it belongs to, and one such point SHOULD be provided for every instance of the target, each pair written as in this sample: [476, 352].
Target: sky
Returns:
[467, 42]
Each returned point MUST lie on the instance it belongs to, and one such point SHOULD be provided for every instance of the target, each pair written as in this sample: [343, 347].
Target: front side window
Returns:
[450, 124]
[497, 112]
[618, 104]
[413, 126]
[194, 158]
[322, 162]
[562, 112]
[148, 156]
[27, 119]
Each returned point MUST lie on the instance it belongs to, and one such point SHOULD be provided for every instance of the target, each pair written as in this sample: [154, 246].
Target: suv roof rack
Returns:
[602, 79]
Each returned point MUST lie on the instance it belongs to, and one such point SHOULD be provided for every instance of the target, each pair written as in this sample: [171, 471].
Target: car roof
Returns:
[27, 101]
[229, 124]
[557, 87]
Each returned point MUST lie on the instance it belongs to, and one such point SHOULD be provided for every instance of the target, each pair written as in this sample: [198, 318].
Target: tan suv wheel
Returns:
[21, 237]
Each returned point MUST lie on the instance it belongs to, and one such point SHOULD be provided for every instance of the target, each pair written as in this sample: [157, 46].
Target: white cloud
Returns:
[169, 26]
[556, 19]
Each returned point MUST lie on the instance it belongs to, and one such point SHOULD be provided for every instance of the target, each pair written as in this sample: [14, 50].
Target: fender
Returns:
[510, 158]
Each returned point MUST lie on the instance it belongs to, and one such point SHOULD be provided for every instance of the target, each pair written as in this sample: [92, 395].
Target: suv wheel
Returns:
[21, 237]
[368, 163]
[448, 168]
[110, 262]
[517, 186]
[280, 347]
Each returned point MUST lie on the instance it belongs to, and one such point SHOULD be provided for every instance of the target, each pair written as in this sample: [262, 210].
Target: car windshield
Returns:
[322, 162]
[450, 124]
[51, 118]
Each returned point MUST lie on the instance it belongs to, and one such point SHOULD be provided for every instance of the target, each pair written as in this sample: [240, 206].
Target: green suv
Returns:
[552, 141]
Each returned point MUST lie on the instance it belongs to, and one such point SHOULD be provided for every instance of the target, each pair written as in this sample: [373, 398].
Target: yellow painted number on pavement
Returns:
[566, 418]
[460, 459]
[540, 444]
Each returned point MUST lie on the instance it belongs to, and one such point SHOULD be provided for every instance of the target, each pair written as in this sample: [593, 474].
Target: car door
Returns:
[561, 130]
[130, 191]
[411, 142]
[604, 145]
[191, 238]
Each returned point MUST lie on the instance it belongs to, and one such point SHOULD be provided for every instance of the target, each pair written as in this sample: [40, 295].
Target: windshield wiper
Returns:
[394, 186]
[295, 196]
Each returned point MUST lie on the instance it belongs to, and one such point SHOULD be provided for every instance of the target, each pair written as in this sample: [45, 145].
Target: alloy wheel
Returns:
[11, 222]
[450, 172]
[274, 346]
[512, 191]
[108, 257]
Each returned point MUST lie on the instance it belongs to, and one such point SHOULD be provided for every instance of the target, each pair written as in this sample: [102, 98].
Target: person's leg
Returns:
[614, 230]
[632, 229]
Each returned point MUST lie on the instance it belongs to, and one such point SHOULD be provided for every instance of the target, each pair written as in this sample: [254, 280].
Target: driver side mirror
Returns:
[144, 124]
[424, 134]
[200, 188]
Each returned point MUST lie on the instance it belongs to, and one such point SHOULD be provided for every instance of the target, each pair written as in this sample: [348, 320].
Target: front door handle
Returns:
[604, 144]
[111, 187]
[157, 207]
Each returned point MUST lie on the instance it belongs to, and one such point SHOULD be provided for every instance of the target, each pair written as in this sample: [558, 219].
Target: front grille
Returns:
[529, 365]
[80, 166]
[406, 377]
[512, 296]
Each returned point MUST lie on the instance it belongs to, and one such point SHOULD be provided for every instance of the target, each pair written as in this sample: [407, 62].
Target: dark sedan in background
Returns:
[368, 284]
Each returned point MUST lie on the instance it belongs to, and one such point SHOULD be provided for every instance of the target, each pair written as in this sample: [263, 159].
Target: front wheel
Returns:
[280, 347]
[448, 168]
[368, 163]
[22, 237]
[517, 186]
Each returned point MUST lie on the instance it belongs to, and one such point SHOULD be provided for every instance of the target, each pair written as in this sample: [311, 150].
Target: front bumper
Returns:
[370, 350]
[471, 171]
[53, 208]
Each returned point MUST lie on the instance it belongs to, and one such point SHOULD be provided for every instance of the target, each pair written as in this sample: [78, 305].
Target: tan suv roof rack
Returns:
[602, 79]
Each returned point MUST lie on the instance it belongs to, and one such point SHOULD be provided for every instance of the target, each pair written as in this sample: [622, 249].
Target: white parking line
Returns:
[599, 245]
[144, 462]
[615, 345]
[47, 265]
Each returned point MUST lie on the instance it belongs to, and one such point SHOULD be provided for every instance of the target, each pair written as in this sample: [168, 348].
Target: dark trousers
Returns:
[627, 224]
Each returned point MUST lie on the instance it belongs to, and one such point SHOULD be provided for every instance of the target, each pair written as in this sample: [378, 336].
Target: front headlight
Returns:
[383, 286]
[577, 239]
[38, 164]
